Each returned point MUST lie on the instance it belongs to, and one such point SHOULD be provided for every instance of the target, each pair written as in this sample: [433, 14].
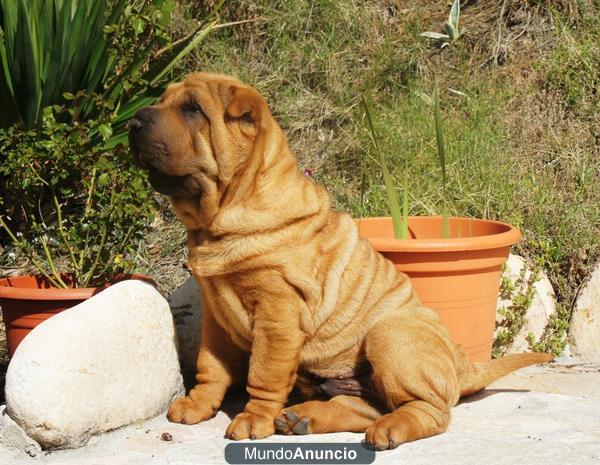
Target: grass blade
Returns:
[169, 58]
[363, 186]
[8, 23]
[389, 187]
[10, 113]
[29, 93]
[404, 234]
[439, 134]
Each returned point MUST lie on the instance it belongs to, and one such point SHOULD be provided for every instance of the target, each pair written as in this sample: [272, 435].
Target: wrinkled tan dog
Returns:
[291, 294]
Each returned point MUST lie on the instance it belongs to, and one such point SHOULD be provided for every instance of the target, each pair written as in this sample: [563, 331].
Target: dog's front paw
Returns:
[185, 410]
[250, 425]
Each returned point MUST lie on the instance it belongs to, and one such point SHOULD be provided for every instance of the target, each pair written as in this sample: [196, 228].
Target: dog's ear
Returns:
[246, 102]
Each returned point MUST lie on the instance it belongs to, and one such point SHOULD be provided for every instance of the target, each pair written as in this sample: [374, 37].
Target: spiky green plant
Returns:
[439, 136]
[451, 31]
[52, 49]
[399, 220]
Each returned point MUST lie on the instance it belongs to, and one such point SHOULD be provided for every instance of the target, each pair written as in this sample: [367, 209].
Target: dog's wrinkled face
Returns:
[198, 134]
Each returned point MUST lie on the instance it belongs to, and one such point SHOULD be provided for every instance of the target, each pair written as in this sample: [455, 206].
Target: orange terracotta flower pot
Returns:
[458, 277]
[26, 301]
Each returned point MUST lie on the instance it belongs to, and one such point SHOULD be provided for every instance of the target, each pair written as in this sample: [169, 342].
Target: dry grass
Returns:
[164, 255]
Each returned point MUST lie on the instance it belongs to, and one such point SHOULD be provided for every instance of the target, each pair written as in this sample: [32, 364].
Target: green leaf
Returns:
[103, 180]
[439, 134]
[399, 230]
[454, 16]
[451, 31]
[138, 26]
[435, 35]
[122, 138]
[169, 58]
[105, 130]
[166, 11]
[404, 234]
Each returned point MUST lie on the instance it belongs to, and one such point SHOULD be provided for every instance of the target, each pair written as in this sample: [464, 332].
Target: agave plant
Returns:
[451, 30]
[400, 217]
[52, 49]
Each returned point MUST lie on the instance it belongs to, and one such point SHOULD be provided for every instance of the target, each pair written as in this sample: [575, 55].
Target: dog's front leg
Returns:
[220, 364]
[277, 341]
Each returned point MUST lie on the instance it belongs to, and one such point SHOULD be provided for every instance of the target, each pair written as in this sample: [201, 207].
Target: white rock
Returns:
[186, 308]
[584, 330]
[107, 362]
[543, 303]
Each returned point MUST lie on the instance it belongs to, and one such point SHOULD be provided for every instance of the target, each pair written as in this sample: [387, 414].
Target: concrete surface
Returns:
[557, 422]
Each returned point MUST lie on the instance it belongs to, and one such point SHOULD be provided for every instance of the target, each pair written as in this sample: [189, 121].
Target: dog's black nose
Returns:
[135, 124]
[143, 118]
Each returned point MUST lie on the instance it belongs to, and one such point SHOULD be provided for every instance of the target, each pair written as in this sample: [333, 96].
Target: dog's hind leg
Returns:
[414, 363]
[340, 413]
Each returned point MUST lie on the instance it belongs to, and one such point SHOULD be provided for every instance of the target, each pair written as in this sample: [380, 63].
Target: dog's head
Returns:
[199, 135]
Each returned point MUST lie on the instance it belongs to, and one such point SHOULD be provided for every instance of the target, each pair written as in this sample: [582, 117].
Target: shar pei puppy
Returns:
[292, 296]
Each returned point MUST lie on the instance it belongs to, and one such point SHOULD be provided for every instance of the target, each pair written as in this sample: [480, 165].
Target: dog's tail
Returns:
[485, 373]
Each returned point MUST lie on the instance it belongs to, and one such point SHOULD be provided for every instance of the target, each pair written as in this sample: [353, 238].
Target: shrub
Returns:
[72, 74]
[71, 202]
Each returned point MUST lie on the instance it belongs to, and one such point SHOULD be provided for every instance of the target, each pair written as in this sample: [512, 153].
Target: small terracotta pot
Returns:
[458, 277]
[27, 301]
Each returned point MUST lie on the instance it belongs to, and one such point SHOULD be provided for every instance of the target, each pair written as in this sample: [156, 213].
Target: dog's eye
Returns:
[191, 107]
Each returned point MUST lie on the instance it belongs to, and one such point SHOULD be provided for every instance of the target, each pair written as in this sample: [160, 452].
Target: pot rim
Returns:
[509, 236]
[79, 293]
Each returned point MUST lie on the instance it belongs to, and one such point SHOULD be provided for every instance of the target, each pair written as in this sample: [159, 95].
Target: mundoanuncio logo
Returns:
[298, 453]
